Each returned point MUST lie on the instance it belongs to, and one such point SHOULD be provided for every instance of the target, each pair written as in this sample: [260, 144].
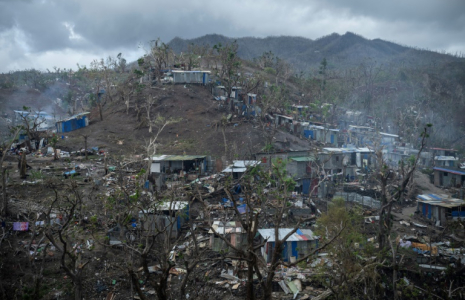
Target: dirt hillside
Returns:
[195, 133]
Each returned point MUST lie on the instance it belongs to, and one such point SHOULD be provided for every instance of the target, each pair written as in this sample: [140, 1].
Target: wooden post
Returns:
[85, 146]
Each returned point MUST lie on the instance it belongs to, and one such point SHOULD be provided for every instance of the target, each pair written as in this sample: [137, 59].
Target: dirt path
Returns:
[424, 186]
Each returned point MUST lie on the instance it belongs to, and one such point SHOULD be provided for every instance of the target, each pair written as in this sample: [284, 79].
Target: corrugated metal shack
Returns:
[239, 167]
[449, 177]
[440, 207]
[231, 230]
[73, 123]
[198, 77]
[168, 216]
[296, 246]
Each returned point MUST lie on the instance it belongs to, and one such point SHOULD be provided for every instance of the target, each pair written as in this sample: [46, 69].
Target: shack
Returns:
[197, 77]
[449, 177]
[297, 245]
[43, 120]
[440, 208]
[72, 123]
[169, 215]
[239, 167]
[388, 138]
[175, 167]
[232, 231]
[445, 161]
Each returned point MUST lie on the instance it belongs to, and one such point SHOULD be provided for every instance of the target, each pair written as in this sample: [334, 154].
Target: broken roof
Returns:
[299, 235]
[226, 227]
[76, 116]
[167, 205]
[241, 166]
[440, 200]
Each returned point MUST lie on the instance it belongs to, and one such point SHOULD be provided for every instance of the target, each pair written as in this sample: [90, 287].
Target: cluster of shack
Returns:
[340, 166]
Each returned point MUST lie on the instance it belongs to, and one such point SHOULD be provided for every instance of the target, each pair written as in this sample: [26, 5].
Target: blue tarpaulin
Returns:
[308, 133]
[69, 173]
[242, 208]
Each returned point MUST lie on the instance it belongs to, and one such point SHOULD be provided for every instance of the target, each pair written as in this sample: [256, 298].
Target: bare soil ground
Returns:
[195, 133]
[423, 186]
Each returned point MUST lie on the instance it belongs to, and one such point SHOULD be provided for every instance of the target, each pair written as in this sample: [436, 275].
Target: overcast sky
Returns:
[46, 33]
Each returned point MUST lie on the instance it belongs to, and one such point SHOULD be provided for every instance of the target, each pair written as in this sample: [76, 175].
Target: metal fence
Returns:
[362, 200]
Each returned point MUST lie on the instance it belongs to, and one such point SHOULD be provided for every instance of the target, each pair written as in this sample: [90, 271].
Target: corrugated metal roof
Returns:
[284, 116]
[234, 170]
[440, 200]
[76, 116]
[441, 157]
[177, 157]
[360, 127]
[226, 227]
[389, 134]
[457, 172]
[365, 149]
[164, 206]
[240, 166]
[444, 149]
[299, 235]
[329, 149]
[182, 71]
[303, 158]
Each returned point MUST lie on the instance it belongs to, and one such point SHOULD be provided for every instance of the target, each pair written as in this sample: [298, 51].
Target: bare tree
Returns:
[392, 193]
[227, 65]
[3, 170]
[71, 259]
[258, 200]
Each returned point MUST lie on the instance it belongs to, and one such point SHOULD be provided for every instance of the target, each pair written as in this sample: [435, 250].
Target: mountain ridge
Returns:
[347, 50]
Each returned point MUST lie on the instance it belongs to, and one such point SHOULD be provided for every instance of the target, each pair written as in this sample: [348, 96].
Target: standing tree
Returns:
[53, 143]
[343, 272]
[391, 192]
[273, 205]
[69, 204]
[227, 65]
[159, 58]
[3, 171]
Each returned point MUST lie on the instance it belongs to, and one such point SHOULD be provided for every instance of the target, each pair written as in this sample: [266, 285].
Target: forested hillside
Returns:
[342, 51]
[400, 87]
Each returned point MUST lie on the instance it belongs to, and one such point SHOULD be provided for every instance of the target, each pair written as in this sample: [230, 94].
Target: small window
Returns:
[446, 174]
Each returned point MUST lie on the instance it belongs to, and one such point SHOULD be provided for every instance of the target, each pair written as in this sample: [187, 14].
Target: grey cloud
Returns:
[448, 14]
[104, 26]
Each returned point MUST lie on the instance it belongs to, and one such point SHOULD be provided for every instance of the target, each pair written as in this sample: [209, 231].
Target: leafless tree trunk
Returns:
[387, 200]
[3, 173]
[75, 268]
[85, 145]
[23, 166]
